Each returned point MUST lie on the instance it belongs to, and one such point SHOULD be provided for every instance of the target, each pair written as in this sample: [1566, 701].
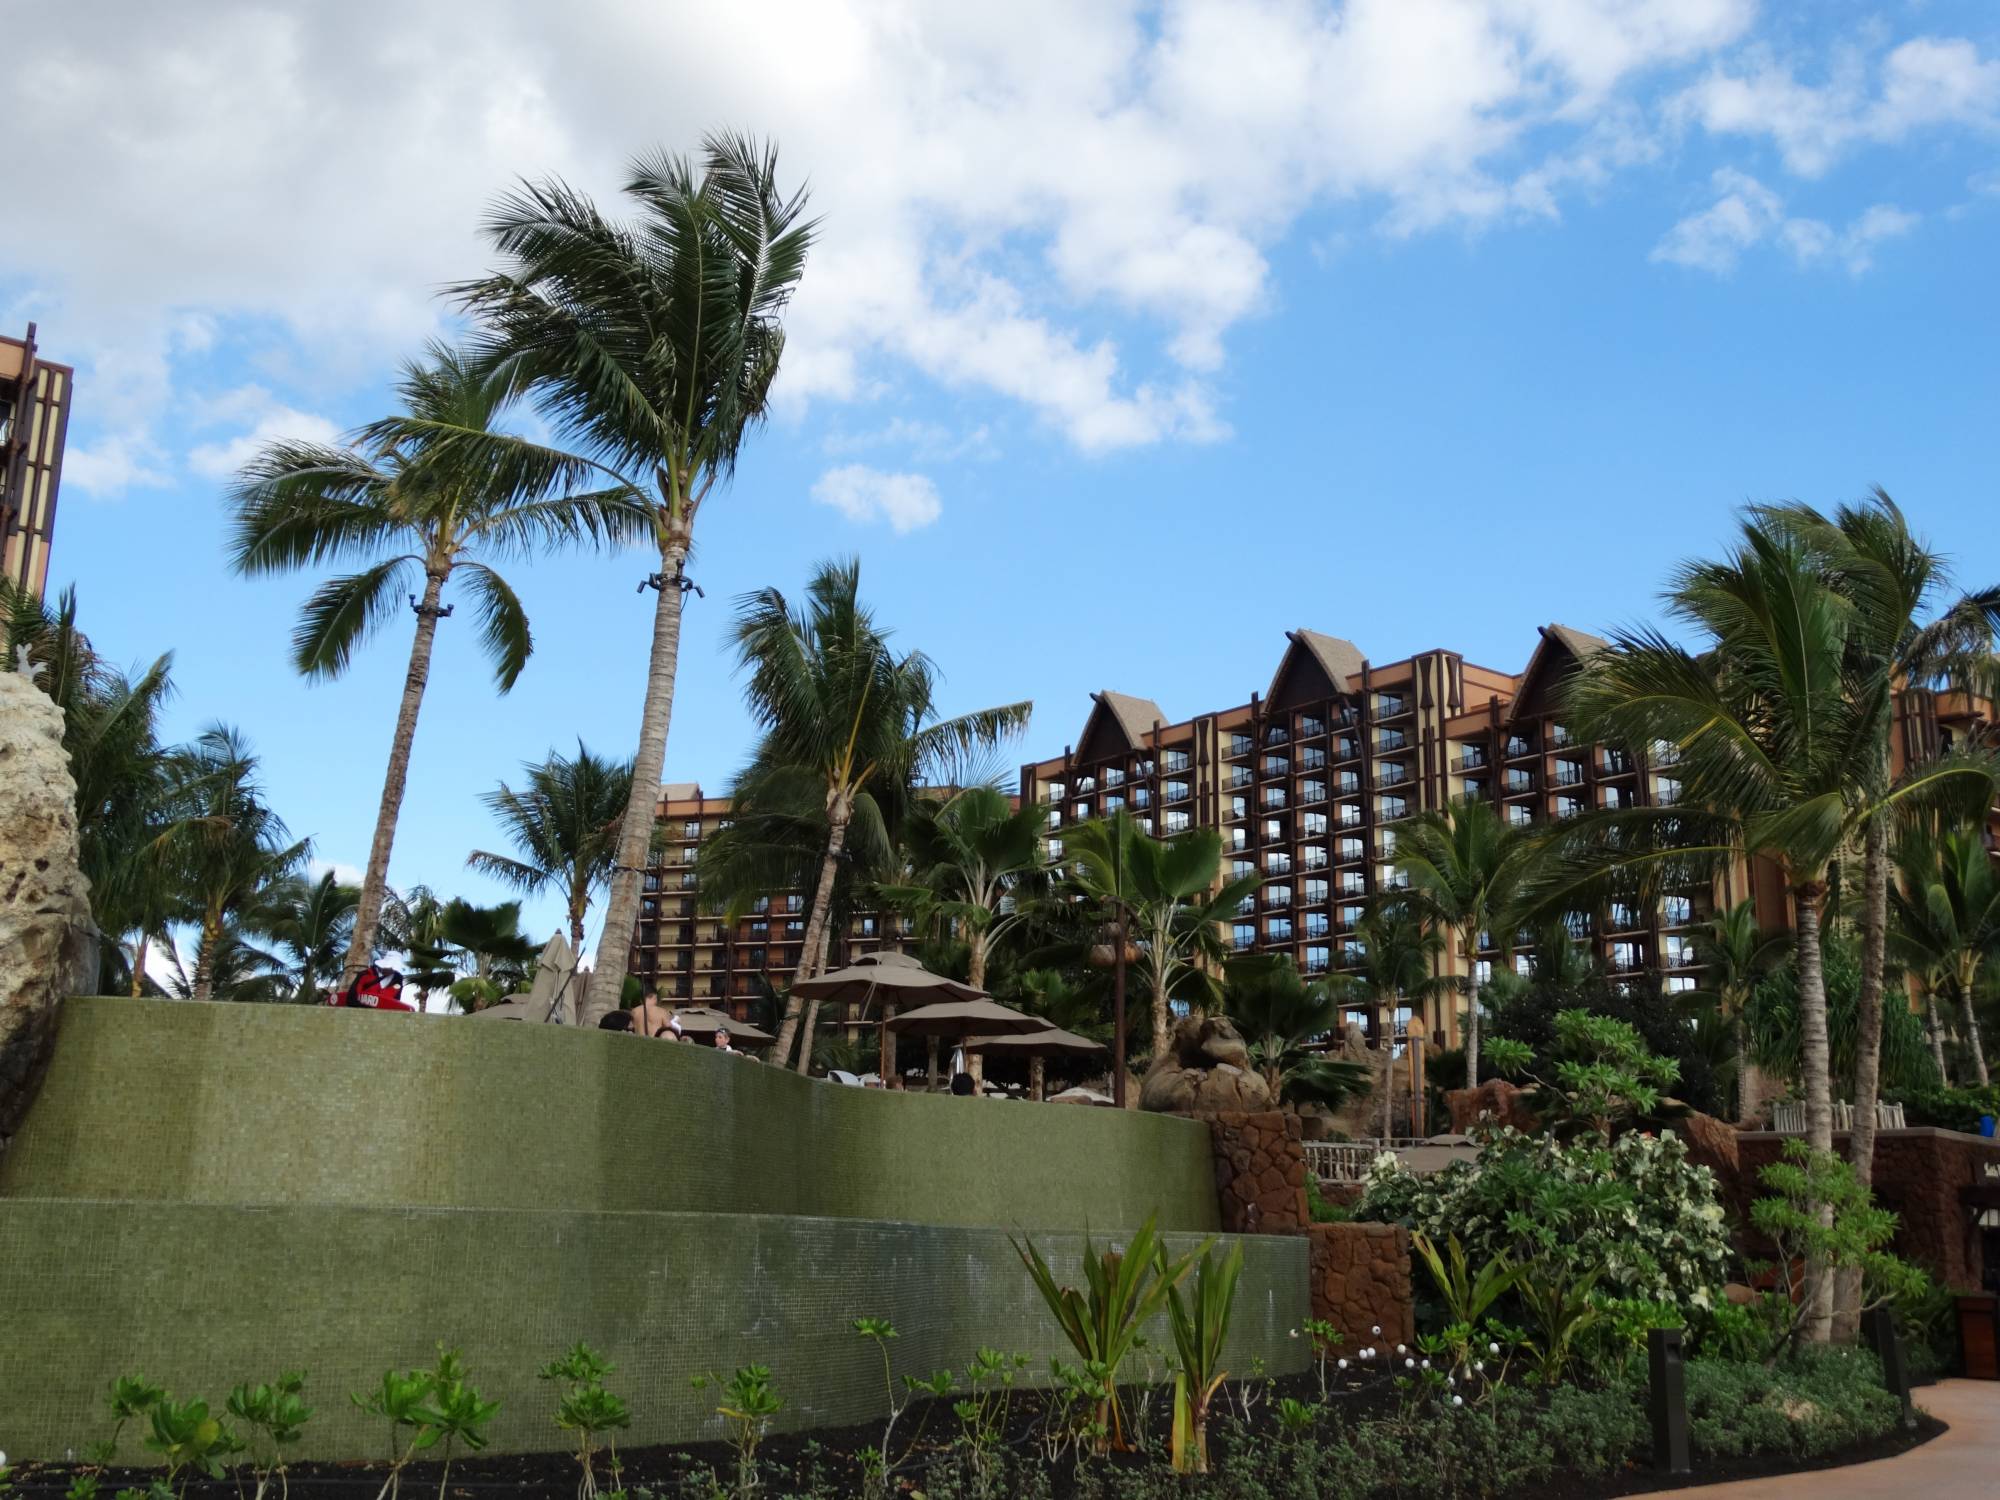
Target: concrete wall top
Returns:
[181, 1102]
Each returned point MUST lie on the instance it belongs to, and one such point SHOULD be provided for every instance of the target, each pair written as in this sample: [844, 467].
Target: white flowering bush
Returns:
[1634, 1209]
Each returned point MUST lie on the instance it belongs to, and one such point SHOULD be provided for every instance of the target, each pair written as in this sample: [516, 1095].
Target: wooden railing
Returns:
[1788, 1116]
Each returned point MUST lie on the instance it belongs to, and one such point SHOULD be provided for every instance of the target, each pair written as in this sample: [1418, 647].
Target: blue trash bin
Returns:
[1986, 1126]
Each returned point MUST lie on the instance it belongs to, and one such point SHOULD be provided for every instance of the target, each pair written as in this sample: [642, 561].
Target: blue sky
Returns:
[1138, 334]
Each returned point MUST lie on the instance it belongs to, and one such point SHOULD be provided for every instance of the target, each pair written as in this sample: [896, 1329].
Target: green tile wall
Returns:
[211, 1193]
[181, 1103]
[199, 1296]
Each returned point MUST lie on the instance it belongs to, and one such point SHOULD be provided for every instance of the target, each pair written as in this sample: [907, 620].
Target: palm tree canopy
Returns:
[1945, 910]
[1399, 949]
[309, 922]
[563, 824]
[225, 843]
[1467, 866]
[966, 854]
[239, 970]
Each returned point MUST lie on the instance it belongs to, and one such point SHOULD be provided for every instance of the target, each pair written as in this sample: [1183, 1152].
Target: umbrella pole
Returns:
[932, 1045]
[1035, 1079]
[886, 1063]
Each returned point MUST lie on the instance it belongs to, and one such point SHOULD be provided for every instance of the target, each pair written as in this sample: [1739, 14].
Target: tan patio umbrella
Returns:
[960, 1019]
[552, 994]
[895, 979]
[1036, 1046]
[704, 1021]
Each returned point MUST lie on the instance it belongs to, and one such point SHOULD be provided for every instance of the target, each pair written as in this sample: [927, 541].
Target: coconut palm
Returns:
[1399, 953]
[967, 854]
[564, 825]
[845, 716]
[412, 503]
[651, 347]
[1165, 893]
[1468, 870]
[1286, 1023]
[309, 922]
[225, 847]
[228, 966]
[1777, 755]
[1735, 954]
[1945, 927]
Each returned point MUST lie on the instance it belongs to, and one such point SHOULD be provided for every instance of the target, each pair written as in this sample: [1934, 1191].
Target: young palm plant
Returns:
[437, 509]
[843, 714]
[1286, 1023]
[651, 346]
[1734, 954]
[224, 846]
[564, 826]
[1166, 893]
[1467, 869]
[1400, 950]
[967, 854]
[309, 921]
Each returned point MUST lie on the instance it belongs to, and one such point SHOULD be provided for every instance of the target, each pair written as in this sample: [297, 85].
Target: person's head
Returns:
[961, 1084]
[651, 995]
[722, 1037]
[618, 1020]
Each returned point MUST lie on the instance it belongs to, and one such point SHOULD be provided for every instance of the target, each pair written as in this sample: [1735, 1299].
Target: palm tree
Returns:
[1467, 869]
[462, 940]
[110, 724]
[564, 824]
[651, 347]
[1946, 926]
[231, 968]
[437, 508]
[1164, 894]
[225, 847]
[1735, 954]
[1777, 755]
[967, 854]
[845, 716]
[1400, 949]
[1286, 1022]
[309, 921]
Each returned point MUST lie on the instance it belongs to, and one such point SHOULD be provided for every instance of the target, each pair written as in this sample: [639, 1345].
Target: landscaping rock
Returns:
[1260, 1171]
[1206, 1069]
[1361, 1281]
[48, 945]
[1495, 1100]
[1711, 1143]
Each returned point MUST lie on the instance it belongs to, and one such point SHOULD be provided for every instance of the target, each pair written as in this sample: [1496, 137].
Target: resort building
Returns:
[703, 958]
[34, 419]
[1308, 780]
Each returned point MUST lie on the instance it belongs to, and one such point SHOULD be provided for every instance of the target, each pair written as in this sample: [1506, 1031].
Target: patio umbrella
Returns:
[896, 979]
[1036, 1046]
[962, 1018]
[703, 1021]
[552, 994]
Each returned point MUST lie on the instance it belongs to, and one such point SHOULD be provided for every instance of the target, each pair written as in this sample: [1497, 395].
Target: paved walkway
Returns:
[1964, 1464]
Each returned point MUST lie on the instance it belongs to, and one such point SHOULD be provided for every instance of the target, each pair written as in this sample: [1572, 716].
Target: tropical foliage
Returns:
[563, 825]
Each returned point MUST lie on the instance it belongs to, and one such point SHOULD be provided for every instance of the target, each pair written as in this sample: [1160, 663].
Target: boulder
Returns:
[1206, 1069]
[48, 945]
[1496, 1101]
[1711, 1143]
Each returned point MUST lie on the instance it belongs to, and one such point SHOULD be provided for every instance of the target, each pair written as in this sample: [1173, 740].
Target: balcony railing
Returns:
[1392, 739]
[1616, 762]
[1276, 734]
[1518, 782]
[1350, 817]
[1471, 760]
[1311, 759]
[1518, 747]
[1394, 775]
[1568, 775]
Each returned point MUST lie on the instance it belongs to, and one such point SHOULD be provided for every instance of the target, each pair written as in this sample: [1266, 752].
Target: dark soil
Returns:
[820, 1465]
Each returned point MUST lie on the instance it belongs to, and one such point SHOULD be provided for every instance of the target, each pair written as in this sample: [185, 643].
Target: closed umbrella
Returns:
[960, 1019]
[702, 1021]
[552, 994]
[896, 979]
[1036, 1046]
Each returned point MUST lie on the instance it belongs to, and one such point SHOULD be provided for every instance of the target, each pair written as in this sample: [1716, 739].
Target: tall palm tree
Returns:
[564, 824]
[1400, 949]
[309, 921]
[1468, 869]
[967, 854]
[436, 509]
[1777, 755]
[1946, 925]
[651, 347]
[225, 846]
[1735, 954]
[1171, 906]
[843, 714]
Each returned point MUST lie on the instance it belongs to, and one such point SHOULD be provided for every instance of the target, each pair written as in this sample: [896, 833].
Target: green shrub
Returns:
[1321, 1211]
[1596, 1432]
[1635, 1211]
[1949, 1109]
[1814, 1403]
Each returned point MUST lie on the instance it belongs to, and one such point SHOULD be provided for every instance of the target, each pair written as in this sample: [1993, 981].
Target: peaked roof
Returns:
[1133, 718]
[1580, 645]
[1337, 659]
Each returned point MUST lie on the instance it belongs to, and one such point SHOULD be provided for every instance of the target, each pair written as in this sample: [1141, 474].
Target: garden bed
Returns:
[1366, 1438]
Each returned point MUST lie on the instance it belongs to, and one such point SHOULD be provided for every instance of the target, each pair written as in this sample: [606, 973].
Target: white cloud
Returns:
[122, 461]
[930, 442]
[1746, 214]
[345, 874]
[270, 420]
[1924, 83]
[906, 501]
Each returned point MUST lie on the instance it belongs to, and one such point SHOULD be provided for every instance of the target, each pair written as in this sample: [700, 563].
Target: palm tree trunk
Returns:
[1813, 1059]
[812, 1009]
[368, 913]
[1934, 1029]
[635, 830]
[1867, 1052]
[1472, 1009]
[975, 964]
[816, 929]
[139, 965]
[1972, 1043]
[204, 962]
[1389, 1068]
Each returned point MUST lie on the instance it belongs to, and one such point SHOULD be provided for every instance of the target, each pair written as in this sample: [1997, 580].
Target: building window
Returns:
[1240, 776]
[1239, 838]
[1239, 744]
[1316, 960]
[1312, 791]
[1147, 825]
[1309, 725]
[1353, 883]
[1055, 791]
[1080, 811]
[1353, 951]
[1391, 739]
[1141, 797]
[1352, 850]
[1177, 760]
[1315, 892]
[1175, 791]
[1313, 856]
[1569, 807]
[1311, 759]
[796, 927]
[1278, 929]
[1680, 952]
[1277, 864]
[1243, 935]
[1239, 808]
[1677, 911]
[1616, 762]
[1568, 773]
[1666, 793]
[1055, 850]
[1113, 776]
[1054, 819]
[1317, 924]
[1242, 869]
[1519, 814]
[1277, 895]
[1314, 825]
[1277, 765]
[1112, 805]
[1178, 822]
[1274, 796]
[1349, 783]
[691, 829]
[1679, 984]
[1484, 969]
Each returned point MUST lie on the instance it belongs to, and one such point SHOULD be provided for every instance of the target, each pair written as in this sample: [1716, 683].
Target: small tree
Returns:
[1604, 1076]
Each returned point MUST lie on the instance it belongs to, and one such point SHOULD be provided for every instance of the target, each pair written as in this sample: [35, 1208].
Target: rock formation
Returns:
[1495, 1101]
[48, 946]
[1207, 1068]
[1360, 1114]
